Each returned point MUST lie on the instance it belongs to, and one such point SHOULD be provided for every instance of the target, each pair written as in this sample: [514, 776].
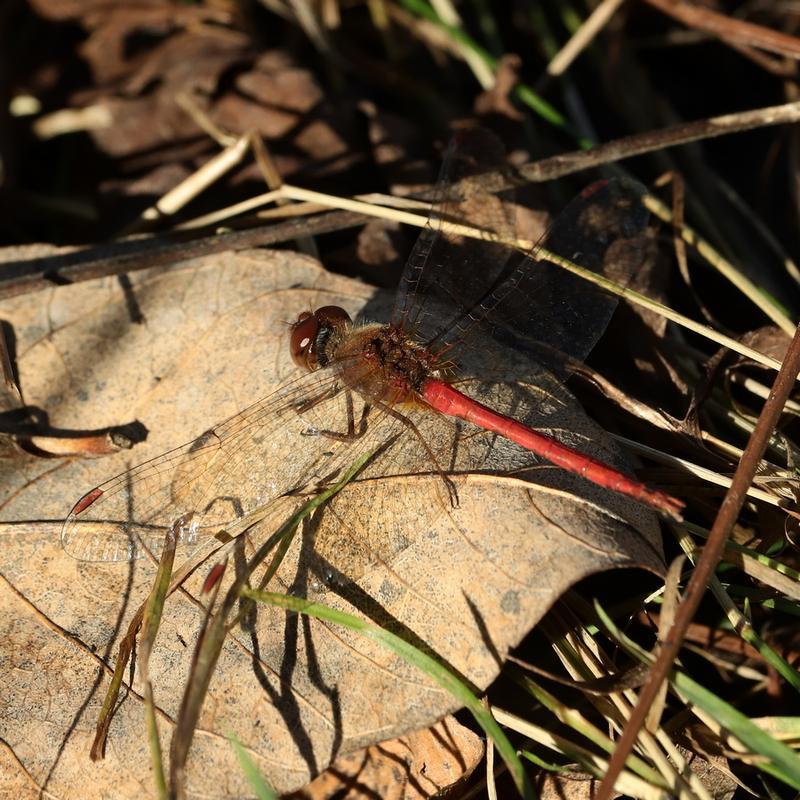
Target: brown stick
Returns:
[640, 143]
[711, 554]
[735, 31]
[19, 277]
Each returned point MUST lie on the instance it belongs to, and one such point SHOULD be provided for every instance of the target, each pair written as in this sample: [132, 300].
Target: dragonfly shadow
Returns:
[370, 608]
[300, 660]
[281, 695]
[483, 628]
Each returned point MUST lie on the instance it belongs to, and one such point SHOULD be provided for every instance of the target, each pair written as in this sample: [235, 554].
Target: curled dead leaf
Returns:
[467, 584]
[412, 767]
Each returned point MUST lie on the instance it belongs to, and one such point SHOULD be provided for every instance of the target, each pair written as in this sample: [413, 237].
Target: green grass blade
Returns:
[739, 622]
[262, 789]
[780, 761]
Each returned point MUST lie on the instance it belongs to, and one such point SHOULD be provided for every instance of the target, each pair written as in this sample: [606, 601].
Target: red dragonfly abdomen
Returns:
[448, 400]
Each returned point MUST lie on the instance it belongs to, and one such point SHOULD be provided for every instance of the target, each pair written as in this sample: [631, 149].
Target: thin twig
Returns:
[190, 188]
[19, 277]
[728, 29]
[640, 143]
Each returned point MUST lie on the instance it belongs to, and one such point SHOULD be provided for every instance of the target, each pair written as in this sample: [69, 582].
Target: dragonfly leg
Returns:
[311, 402]
[352, 434]
[235, 502]
[451, 487]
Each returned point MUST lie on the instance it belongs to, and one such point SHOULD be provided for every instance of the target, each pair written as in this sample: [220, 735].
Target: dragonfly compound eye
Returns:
[311, 335]
[332, 317]
[304, 340]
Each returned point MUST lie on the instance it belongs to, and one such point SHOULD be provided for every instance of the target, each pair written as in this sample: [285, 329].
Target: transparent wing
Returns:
[447, 275]
[604, 229]
[368, 524]
[275, 448]
[455, 287]
[396, 499]
[256, 468]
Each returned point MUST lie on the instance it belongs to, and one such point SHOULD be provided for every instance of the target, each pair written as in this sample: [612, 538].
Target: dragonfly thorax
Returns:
[381, 363]
[403, 362]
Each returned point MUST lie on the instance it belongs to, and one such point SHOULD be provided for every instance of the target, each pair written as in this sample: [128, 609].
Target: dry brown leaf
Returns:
[497, 99]
[567, 786]
[206, 339]
[110, 47]
[411, 767]
[188, 63]
[166, 75]
[770, 340]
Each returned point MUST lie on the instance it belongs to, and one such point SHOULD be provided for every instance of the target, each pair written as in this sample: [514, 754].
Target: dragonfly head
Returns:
[312, 332]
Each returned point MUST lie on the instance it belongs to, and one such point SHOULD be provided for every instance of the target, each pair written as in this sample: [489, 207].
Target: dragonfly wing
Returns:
[447, 274]
[220, 482]
[393, 501]
[456, 289]
[605, 230]
[401, 495]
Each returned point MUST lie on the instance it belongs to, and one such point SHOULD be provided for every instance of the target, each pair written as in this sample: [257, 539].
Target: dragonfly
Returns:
[401, 390]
